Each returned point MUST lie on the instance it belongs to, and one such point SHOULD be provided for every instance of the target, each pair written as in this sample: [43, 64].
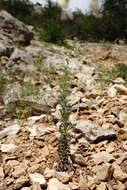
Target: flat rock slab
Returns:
[93, 133]
[11, 130]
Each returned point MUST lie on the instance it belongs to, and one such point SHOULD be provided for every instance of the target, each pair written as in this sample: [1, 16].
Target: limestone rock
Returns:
[119, 174]
[103, 157]
[36, 186]
[15, 29]
[63, 177]
[12, 93]
[49, 173]
[3, 186]
[19, 171]
[37, 178]
[55, 184]
[20, 55]
[40, 130]
[105, 172]
[121, 89]
[12, 130]
[93, 133]
[1, 174]
[8, 147]
[33, 119]
[120, 186]
[20, 182]
[112, 92]
[102, 186]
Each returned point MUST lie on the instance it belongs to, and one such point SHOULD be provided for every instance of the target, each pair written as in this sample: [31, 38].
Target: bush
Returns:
[3, 81]
[29, 89]
[119, 70]
[52, 32]
[64, 140]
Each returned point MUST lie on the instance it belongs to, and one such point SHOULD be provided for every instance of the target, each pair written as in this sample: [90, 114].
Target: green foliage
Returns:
[120, 70]
[19, 109]
[52, 32]
[3, 81]
[22, 9]
[38, 63]
[110, 25]
[29, 89]
[65, 126]
[106, 45]
[115, 15]
[106, 76]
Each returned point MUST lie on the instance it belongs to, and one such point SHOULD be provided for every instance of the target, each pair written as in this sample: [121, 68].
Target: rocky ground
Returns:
[30, 116]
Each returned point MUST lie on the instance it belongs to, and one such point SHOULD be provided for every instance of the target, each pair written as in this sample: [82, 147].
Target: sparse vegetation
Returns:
[119, 70]
[52, 32]
[3, 81]
[29, 89]
[109, 25]
[19, 110]
[106, 45]
[107, 76]
[65, 126]
[38, 62]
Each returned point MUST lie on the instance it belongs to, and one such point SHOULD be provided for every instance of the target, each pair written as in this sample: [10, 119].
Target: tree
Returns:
[115, 14]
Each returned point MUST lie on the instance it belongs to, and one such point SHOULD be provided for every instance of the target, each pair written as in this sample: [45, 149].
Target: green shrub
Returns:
[52, 32]
[29, 89]
[119, 70]
[65, 138]
[106, 76]
[3, 81]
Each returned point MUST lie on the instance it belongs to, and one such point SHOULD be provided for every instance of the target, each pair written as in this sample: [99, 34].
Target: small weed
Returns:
[52, 32]
[65, 138]
[119, 70]
[69, 46]
[29, 89]
[3, 81]
[106, 45]
[38, 63]
[107, 76]
[19, 110]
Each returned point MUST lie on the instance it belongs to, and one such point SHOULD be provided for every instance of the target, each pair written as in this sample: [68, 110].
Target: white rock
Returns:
[12, 93]
[37, 178]
[102, 157]
[26, 188]
[12, 130]
[8, 147]
[119, 80]
[63, 177]
[40, 130]
[19, 54]
[20, 182]
[19, 171]
[48, 173]
[1, 173]
[102, 186]
[55, 184]
[36, 186]
[34, 119]
[112, 92]
[119, 174]
[123, 116]
[92, 132]
[121, 89]
[104, 173]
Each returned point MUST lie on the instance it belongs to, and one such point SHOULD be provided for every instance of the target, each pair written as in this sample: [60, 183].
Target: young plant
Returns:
[29, 89]
[65, 137]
